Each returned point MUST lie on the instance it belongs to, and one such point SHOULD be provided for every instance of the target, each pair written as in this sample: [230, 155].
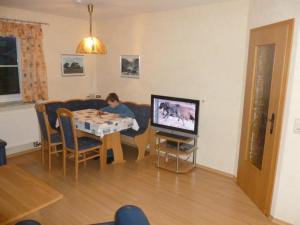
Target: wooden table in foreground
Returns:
[21, 194]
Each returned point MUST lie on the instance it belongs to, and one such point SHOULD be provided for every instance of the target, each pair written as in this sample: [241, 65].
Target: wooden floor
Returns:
[198, 198]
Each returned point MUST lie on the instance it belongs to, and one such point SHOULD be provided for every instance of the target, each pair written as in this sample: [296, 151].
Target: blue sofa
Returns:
[140, 138]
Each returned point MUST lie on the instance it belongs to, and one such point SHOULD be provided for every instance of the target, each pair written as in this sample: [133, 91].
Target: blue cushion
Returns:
[55, 138]
[28, 222]
[110, 155]
[129, 215]
[131, 132]
[142, 116]
[87, 142]
[95, 103]
[74, 105]
[66, 127]
[42, 124]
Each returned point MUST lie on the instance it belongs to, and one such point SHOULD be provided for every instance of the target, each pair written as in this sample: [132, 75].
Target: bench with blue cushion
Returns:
[140, 138]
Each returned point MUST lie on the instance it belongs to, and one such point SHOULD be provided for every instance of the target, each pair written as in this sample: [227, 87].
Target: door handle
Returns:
[272, 120]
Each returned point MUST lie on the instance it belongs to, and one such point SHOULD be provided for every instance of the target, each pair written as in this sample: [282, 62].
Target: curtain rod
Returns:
[23, 21]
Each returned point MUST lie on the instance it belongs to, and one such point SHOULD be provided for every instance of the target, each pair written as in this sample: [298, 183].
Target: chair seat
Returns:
[131, 132]
[87, 142]
[55, 138]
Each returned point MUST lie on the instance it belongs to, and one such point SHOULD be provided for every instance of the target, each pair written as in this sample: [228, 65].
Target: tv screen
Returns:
[175, 114]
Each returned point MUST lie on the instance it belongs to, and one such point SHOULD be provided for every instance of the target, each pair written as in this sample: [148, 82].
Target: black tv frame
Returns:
[169, 129]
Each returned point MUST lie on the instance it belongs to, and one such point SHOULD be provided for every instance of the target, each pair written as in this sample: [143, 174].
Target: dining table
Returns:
[107, 127]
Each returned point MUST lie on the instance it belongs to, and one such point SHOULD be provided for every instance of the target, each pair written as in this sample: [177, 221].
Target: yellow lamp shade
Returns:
[91, 45]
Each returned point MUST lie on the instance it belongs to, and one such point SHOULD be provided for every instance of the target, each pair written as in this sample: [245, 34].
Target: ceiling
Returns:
[103, 8]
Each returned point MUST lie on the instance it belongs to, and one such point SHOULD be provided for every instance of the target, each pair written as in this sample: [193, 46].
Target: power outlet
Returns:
[297, 126]
[36, 144]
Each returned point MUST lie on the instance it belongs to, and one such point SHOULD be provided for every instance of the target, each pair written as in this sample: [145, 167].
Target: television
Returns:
[173, 115]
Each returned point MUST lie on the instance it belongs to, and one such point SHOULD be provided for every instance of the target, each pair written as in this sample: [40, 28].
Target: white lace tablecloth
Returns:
[89, 121]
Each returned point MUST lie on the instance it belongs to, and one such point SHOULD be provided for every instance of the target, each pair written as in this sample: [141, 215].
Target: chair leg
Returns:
[42, 153]
[76, 166]
[100, 155]
[55, 149]
[84, 156]
[64, 161]
[49, 158]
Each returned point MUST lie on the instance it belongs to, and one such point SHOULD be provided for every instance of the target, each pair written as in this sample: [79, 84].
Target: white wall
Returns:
[60, 37]
[287, 187]
[19, 128]
[195, 53]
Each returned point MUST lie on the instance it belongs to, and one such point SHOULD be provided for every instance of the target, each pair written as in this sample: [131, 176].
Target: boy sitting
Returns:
[116, 107]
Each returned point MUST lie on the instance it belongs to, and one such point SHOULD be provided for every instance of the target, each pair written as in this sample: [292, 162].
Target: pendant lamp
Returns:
[91, 44]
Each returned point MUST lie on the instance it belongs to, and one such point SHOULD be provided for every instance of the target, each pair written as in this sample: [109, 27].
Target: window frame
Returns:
[14, 97]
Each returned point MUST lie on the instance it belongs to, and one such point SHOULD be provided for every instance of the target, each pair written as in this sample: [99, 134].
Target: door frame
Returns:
[279, 117]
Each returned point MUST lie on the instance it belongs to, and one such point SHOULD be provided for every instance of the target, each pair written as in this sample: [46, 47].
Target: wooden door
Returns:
[267, 71]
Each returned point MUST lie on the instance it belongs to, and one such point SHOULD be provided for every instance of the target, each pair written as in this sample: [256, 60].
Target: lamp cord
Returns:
[90, 10]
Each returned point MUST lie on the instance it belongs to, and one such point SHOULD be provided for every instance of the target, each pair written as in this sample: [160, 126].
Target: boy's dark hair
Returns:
[112, 97]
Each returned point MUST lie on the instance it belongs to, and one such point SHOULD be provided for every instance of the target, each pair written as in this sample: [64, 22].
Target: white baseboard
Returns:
[278, 221]
[216, 171]
[18, 149]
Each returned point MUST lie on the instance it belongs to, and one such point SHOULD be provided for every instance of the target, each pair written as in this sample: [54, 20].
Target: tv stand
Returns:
[175, 153]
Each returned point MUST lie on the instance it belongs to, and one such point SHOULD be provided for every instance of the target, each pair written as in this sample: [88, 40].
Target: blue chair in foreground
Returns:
[83, 148]
[50, 138]
[28, 222]
[128, 215]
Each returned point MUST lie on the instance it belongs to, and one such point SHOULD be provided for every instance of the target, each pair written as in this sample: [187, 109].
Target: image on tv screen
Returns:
[174, 114]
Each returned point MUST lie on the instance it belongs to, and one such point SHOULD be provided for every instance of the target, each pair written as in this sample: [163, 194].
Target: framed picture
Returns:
[130, 66]
[72, 65]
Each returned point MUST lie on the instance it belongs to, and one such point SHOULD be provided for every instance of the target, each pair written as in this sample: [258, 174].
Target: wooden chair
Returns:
[50, 138]
[83, 148]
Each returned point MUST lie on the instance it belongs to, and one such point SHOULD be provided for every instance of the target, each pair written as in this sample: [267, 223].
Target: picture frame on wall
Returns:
[72, 65]
[130, 66]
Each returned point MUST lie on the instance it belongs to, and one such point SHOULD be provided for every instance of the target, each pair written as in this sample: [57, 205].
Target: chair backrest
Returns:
[67, 127]
[43, 121]
[51, 108]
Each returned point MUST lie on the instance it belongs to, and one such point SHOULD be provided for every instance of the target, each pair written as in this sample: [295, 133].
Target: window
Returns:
[9, 70]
